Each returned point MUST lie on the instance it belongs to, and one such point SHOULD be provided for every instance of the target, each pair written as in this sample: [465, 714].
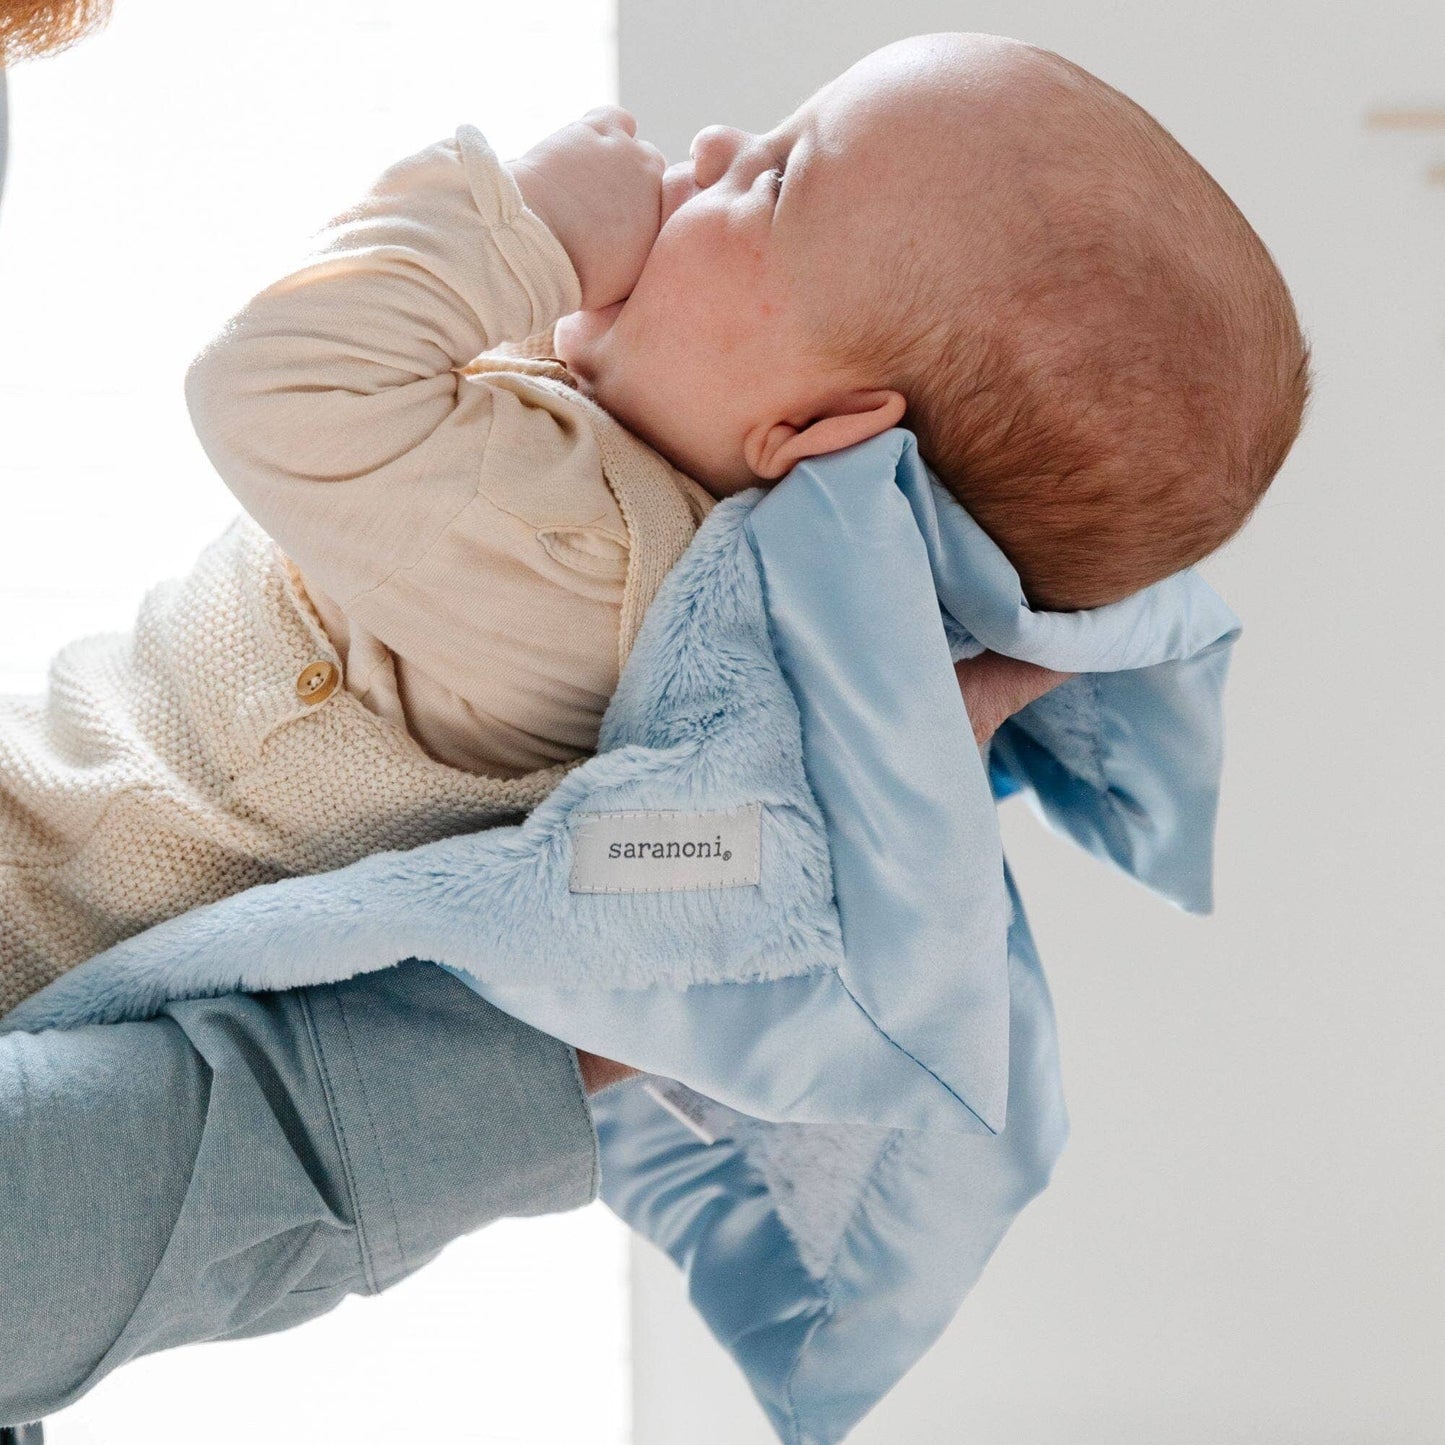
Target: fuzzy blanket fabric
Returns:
[779, 888]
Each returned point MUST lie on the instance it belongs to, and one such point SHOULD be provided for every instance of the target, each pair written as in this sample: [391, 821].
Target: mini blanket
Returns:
[779, 889]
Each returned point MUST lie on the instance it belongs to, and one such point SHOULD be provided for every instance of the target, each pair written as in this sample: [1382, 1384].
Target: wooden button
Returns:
[317, 682]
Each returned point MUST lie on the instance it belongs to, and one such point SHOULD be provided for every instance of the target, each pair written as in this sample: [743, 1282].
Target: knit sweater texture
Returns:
[219, 744]
[181, 762]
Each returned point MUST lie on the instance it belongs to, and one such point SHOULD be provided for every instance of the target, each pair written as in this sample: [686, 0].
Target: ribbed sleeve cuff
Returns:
[448, 1114]
[536, 257]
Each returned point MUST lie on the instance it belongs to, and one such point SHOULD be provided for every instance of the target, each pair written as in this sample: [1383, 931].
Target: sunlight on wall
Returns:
[160, 174]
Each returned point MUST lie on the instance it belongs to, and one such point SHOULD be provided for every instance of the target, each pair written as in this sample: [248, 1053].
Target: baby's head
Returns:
[977, 240]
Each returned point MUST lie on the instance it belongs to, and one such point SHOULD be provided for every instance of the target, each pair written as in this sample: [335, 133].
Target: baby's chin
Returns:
[576, 339]
[581, 341]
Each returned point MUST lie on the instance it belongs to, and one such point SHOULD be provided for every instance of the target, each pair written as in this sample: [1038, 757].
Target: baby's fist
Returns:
[599, 190]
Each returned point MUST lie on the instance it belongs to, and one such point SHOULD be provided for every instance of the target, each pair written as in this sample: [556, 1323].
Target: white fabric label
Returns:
[709, 1121]
[666, 851]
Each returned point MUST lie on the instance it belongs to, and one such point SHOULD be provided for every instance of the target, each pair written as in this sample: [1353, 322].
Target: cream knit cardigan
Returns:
[212, 748]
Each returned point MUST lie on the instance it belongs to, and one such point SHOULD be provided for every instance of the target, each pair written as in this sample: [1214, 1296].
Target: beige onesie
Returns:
[416, 630]
[452, 523]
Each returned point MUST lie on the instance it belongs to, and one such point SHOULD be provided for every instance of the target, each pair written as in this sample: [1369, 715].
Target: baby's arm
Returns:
[343, 372]
[330, 404]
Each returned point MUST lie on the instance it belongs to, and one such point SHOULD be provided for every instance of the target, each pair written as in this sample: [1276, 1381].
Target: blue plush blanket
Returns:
[779, 888]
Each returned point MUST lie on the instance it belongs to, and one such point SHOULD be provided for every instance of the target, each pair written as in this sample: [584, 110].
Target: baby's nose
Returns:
[712, 151]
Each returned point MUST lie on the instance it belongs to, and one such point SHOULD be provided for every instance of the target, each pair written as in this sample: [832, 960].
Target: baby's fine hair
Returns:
[30, 28]
[1111, 392]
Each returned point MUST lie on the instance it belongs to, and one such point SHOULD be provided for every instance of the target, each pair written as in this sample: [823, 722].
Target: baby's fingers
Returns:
[611, 117]
[653, 154]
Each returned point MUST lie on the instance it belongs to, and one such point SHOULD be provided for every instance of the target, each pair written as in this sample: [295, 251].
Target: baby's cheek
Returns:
[718, 316]
[706, 298]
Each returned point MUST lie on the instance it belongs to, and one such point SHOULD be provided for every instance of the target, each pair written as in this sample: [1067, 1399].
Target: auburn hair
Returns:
[1111, 398]
[29, 28]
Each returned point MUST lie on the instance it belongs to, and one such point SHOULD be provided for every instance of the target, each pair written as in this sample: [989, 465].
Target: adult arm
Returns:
[239, 1165]
[996, 687]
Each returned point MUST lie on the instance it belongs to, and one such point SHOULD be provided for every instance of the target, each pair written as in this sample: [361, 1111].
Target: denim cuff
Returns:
[448, 1114]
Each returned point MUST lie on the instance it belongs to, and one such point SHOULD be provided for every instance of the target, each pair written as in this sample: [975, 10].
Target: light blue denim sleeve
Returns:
[241, 1164]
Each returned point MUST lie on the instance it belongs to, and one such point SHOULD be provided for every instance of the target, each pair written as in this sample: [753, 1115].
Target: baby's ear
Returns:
[771, 451]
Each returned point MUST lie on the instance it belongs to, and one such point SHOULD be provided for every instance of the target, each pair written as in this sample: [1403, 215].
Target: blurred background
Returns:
[1245, 1239]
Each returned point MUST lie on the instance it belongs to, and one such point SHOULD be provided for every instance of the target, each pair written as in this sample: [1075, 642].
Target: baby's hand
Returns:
[599, 189]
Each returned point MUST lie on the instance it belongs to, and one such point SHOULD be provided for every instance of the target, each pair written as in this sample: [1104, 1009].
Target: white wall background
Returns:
[1245, 1240]
[160, 174]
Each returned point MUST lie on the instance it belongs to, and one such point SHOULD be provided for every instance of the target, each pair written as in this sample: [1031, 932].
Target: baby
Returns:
[480, 421]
